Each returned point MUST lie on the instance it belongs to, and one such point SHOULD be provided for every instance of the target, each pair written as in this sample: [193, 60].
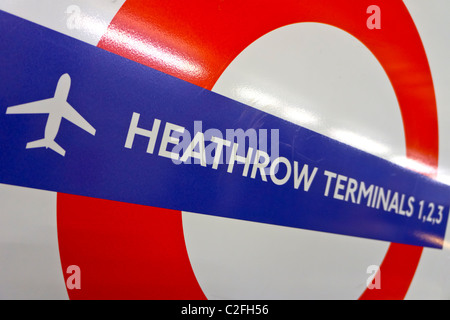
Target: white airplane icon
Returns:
[57, 108]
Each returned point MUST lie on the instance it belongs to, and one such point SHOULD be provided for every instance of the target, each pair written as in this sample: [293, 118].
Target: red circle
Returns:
[210, 34]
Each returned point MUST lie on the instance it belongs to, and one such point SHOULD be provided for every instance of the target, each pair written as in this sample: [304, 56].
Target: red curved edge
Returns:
[397, 268]
[124, 251]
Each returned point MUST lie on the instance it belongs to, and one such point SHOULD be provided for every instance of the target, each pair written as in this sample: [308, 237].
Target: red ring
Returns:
[210, 34]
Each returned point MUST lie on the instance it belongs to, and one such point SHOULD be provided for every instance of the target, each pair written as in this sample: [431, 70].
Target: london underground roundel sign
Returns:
[143, 248]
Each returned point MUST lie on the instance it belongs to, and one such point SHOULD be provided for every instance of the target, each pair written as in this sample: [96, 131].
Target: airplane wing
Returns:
[73, 116]
[41, 106]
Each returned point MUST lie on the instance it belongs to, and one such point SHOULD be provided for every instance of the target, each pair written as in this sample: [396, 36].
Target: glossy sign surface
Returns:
[133, 32]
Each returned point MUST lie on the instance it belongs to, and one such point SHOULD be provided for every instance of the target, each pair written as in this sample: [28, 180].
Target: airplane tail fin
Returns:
[37, 144]
[47, 144]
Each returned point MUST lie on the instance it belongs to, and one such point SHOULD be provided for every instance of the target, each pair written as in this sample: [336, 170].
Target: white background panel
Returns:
[82, 19]
[30, 267]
